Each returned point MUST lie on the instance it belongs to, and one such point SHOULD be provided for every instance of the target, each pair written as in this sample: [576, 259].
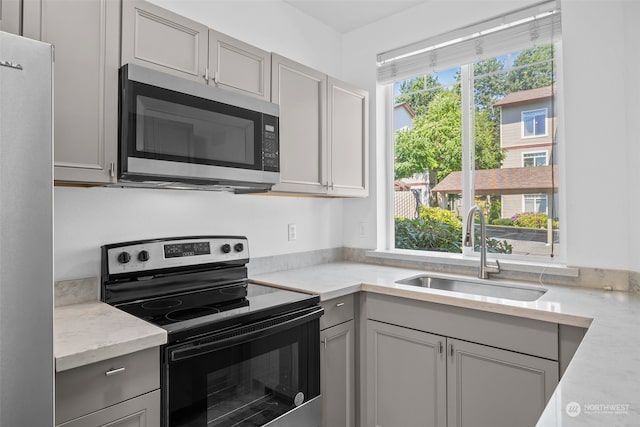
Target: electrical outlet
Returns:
[363, 229]
[292, 232]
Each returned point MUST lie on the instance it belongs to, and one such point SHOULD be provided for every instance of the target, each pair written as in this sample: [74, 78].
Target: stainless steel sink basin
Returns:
[496, 290]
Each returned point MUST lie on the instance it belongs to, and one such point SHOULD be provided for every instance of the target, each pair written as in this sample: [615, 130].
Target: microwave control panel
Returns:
[270, 146]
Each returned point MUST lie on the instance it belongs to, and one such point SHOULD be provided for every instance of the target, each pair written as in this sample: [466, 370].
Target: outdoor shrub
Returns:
[530, 220]
[428, 234]
[444, 216]
[501, 221]
[495, 210]
[498, 247]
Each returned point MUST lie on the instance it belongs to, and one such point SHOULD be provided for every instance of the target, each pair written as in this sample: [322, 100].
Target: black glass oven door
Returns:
[234, 382]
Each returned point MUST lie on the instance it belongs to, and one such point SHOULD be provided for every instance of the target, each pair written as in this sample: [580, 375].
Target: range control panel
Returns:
[141, 256]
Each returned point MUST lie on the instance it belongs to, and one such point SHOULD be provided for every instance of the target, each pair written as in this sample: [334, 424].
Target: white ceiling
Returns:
[345, 16]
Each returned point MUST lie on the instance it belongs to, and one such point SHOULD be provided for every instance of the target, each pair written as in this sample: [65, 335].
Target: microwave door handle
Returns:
[236, 336]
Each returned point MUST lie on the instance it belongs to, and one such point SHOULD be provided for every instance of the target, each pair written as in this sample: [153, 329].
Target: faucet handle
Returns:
[495, 268]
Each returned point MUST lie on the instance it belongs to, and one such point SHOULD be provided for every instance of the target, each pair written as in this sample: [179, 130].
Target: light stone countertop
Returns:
[604, 376]
[91, 332]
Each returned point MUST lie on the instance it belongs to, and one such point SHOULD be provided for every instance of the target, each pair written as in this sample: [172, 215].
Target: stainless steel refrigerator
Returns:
[26, 233]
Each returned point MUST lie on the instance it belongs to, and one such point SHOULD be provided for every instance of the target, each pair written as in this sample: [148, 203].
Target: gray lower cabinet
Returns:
[86, 37]
[406, 377]
[11, 16]
[337, 362]
[141, 411]
[491, 387]
[122, 391]
[420, 373]
[337, 375]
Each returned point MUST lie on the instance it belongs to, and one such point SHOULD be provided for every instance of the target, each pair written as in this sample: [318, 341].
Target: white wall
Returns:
[86, 218]
[271, 25]
[601, 69]
[632, 92]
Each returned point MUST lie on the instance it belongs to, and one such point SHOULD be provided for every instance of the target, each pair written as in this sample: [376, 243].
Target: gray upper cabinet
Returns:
[86, 36]
[348, 124]
[238, 66]
[491, 387]
[156, 38]
[10, 16]
[406, 377]
[301, 93]
[323, 132]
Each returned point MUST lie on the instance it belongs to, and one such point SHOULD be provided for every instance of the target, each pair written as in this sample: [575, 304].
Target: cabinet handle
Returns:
[112, 170]
[114, 371]
[451, 349]
[340, 304]
[324, 342]
[440, 347]
[205, 76]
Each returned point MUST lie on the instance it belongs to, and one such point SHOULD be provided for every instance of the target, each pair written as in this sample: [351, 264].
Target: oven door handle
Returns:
[244, 333]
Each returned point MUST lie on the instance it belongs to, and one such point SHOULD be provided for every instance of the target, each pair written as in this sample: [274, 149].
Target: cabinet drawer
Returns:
[336, 311]
[141, 411]
[89, 388]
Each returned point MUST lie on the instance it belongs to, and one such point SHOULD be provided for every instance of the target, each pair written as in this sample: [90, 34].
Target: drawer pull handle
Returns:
[114, 371]
[340, 304]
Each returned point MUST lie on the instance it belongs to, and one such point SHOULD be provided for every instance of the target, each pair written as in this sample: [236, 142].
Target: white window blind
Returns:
[529, 27]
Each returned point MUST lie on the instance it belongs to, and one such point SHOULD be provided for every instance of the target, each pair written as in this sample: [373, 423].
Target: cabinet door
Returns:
[156, 38]
[238, 66]
[406, 377]
[141, 411]
[86, 36]
[348, 124]
[301, 93]
[489, 387]
[337, 375]
[10, 16]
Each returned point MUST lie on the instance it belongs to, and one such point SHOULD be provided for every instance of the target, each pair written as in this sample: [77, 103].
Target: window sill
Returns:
[464, 261]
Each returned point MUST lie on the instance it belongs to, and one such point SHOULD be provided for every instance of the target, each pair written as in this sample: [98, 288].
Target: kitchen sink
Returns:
[487, 289]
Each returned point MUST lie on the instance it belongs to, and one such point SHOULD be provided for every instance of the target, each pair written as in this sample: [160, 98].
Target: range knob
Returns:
[143, 256]
[238, 247]
[226, 248]
[124, 257]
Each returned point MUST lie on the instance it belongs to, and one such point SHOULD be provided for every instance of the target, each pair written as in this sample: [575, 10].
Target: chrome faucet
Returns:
[468, 242]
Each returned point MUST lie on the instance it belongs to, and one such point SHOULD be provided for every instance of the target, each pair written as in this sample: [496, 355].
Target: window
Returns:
[534, 203]
[465, 140]
[534, 159]
[534, 123]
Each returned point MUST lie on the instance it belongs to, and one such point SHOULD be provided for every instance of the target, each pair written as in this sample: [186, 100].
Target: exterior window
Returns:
[507, 96]
[534, 159]
[535, 203]
[534, 123]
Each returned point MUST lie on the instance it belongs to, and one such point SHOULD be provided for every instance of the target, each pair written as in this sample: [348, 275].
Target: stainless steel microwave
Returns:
[177, 133]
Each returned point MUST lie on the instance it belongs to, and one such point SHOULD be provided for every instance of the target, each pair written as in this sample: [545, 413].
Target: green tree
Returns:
[419, 92]
[490, 83]
[435, 141]
[533, 69]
